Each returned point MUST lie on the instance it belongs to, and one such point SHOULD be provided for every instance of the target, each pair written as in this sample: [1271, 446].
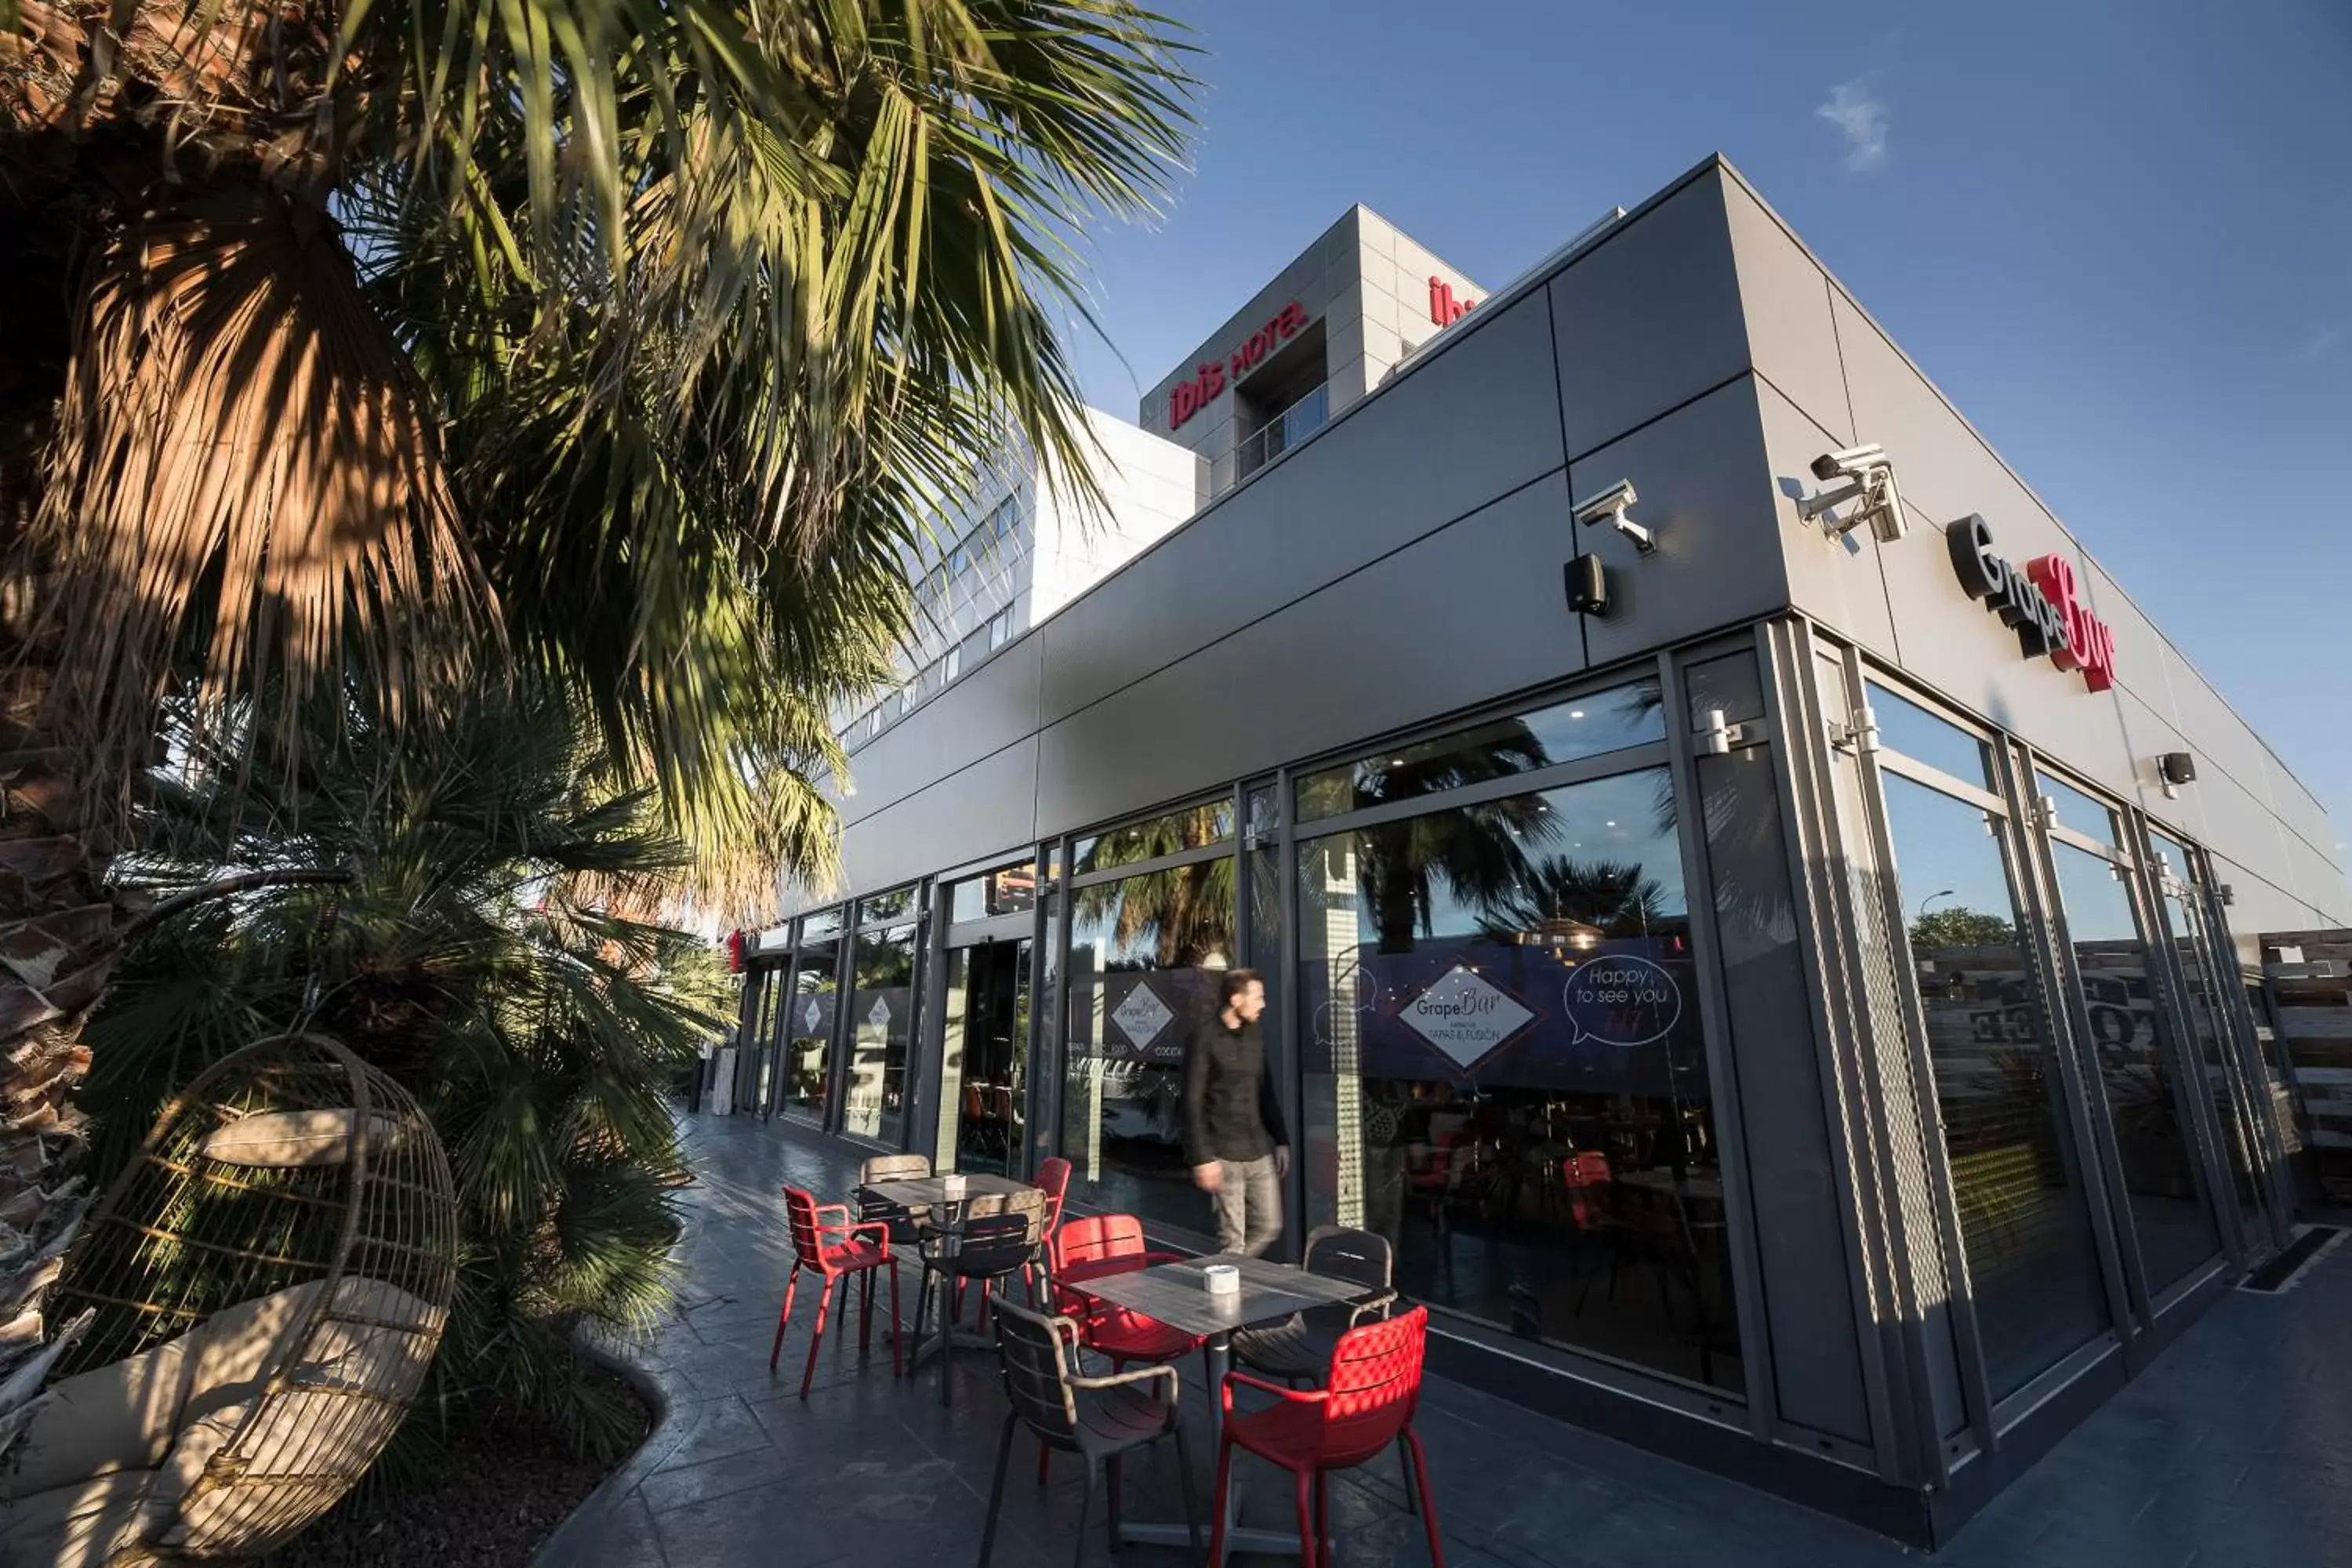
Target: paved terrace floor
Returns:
[2235, 1451]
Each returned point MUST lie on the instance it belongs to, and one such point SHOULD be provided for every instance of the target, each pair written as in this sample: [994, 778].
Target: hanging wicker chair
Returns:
[264, 1287]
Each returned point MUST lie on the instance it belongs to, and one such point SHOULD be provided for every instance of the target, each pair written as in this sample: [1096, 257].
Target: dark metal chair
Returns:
[1100, 1419]
[1298, 1349]
[871, 1210]
[997, 1235]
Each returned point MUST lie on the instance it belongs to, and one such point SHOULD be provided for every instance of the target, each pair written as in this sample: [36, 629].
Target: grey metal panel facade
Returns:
[1792, 339]
[1247, 703]
[1939, 636]
[1648, 317]
[1474, 422]
[1716, 561]
[987, 710]
[988, 806]
[1836, 582]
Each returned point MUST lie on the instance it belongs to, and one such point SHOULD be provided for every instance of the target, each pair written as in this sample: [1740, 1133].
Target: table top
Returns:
[1173, 1293]
[927, 1192]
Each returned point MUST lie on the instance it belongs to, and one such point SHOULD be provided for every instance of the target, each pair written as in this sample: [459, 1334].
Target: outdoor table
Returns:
[1175, 1294]
[926, 1200]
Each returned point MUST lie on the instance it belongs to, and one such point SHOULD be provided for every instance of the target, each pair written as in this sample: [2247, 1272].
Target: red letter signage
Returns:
[1190, 397]
[2039, 600]
[1444, 310]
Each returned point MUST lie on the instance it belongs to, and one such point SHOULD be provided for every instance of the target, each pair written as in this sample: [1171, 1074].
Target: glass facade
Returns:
[1506, 960]
[1506, 1074]
[2001, 1092]
[808, 1025]
[1589, 726]
[1144, 957]
[881, 1025]
[2169, 1212]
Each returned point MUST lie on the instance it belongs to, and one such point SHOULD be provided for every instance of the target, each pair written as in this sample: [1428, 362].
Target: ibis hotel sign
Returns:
[1189, 397]
[2039, 599]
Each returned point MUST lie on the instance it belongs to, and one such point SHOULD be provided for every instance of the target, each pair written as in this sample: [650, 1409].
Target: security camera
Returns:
[1611, 502]
[1870, 482]
[1853, 461]
[1611, 506]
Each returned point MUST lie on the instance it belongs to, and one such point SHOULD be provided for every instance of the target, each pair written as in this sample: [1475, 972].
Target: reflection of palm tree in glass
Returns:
[1476, 851]
[1611, 897]
[1184, 915]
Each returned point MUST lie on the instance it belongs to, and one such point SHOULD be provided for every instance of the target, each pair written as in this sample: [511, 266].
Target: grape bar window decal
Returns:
[1192, 396]
[2039, 599]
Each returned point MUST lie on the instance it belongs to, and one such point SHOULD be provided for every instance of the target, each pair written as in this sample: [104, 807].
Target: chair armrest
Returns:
[1384, 1303]
[881, 1233]
[1135, 1374]
[1295, 1396]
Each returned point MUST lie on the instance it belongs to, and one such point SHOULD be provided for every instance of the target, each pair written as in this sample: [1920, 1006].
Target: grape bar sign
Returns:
[1464, 1016]
[1209, 380]
[2038, 599]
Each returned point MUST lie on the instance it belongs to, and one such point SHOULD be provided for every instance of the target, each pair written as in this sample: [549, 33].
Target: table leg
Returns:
[1219, 1357]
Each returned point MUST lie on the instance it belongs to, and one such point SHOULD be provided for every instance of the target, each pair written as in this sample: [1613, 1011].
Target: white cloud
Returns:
[2322, 341]
[1859, 117]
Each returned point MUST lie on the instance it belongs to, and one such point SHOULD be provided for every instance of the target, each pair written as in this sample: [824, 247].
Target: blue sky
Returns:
[2119, 238]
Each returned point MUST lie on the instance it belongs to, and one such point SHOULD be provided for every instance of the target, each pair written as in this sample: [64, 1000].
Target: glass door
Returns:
[810, 1011]
[983, 1058]
[2002, 1085]
[2229, 1088]
[2129, 1033]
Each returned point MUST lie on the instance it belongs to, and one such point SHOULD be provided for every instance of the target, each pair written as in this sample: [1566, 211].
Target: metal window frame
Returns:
[1585, 685]
[2133, 864]
[2246, 1092]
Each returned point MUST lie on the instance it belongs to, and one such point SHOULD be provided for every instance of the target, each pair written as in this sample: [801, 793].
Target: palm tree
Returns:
[1608, 898]
[475, 956]
[623, 347]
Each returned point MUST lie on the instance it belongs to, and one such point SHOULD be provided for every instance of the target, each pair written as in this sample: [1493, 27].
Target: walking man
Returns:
[1233, 1134]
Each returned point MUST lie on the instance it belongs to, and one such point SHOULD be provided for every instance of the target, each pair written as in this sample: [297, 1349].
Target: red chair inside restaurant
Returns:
[835, 1248]
[1367, 1404]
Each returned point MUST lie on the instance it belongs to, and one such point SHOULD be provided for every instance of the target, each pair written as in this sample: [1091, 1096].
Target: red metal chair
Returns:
[1089, 1248]
[1054, 1181]
[831, 1249]
[1367, 1404]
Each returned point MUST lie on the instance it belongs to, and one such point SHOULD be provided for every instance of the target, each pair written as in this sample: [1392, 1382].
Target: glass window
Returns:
[2166, 1192]
[1730, 685]
[1000, 631]
[1211, 822]
[874, 723]
[955, 661]
[1584, 727]
[2076, 810]
[1506, 1073]
[1904, 726]
[890, 906]
[881, 1023]
[1006, 890]
[808, 1030]
[1004, 519]
[824, 922]
[907, 701]
[2024, 1227]
[1144, 957]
